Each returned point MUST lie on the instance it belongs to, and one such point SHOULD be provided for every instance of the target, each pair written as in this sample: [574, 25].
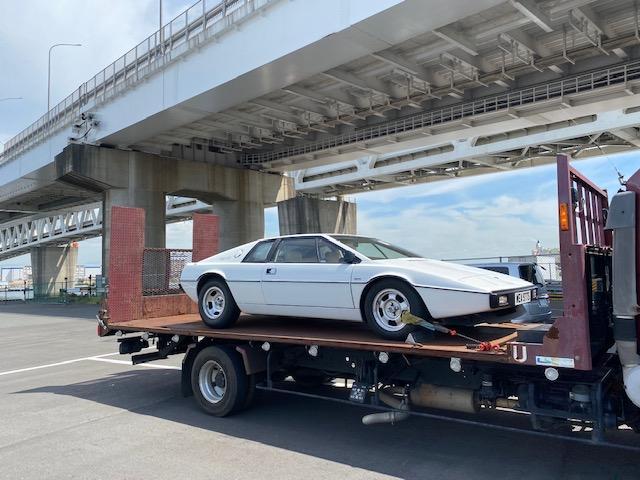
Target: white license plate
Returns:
[523, 297]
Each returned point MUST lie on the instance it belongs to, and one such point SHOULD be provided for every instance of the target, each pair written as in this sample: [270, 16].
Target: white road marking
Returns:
[66, 362]
[125, 362]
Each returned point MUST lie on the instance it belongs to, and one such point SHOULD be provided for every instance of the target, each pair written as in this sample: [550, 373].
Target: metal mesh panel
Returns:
[161, 269]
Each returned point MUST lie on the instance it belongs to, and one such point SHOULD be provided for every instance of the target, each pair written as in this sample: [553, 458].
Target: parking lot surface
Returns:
[72, 408]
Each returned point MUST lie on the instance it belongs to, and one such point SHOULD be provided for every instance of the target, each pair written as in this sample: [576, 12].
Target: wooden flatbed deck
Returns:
[330, 333]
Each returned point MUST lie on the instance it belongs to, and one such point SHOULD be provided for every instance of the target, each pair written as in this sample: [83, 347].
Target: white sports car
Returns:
[344, 277]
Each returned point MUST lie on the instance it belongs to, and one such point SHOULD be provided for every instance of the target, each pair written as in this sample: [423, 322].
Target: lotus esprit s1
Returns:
[347, 277]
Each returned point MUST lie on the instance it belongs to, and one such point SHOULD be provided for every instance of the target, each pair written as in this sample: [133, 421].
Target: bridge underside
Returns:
[494, 91]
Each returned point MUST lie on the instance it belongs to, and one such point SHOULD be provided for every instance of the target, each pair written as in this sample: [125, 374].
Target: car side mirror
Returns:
[350, 257]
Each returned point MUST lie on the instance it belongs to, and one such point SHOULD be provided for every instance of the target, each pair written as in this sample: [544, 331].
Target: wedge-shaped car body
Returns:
[345, 277]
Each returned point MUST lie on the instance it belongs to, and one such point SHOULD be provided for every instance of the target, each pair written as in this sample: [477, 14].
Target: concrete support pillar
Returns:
[141, 180]
[314, 215]
[240, 222]
[53, 268]
[151, 201]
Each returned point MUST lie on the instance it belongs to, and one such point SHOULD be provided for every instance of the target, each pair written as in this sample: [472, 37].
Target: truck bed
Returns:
[330, 333]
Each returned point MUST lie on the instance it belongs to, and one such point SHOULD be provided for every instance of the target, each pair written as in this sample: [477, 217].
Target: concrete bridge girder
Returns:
[136, 179]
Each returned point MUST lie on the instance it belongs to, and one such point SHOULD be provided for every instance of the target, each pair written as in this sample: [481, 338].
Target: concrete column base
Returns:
[154, 205]
[53, 268]
[313, 215]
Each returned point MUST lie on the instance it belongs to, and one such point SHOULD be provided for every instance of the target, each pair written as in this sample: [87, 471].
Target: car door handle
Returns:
[271, 271]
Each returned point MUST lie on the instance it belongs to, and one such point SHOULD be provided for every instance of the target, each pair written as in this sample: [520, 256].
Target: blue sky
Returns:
[502, 213]
[487, 215]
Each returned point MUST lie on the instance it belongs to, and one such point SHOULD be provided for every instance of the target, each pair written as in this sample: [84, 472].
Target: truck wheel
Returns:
[384, 303]
[220, 384]
[217, 307]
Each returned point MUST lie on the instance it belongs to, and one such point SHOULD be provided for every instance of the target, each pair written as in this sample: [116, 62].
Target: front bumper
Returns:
[494, 298]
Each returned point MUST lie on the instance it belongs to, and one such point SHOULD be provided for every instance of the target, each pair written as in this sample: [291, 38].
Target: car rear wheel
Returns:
[383, 306]
[217, 307]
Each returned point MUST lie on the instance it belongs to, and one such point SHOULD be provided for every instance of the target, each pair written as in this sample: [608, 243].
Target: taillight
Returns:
[564, 217]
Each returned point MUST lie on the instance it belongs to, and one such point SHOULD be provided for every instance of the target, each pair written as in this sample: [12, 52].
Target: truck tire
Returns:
[217, 307]
[219, 382]
[384, 304]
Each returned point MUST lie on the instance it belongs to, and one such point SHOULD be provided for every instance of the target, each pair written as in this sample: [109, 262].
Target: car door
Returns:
[245, 278]
[307, 272]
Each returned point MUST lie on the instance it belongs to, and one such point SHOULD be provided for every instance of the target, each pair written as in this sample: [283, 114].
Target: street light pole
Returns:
[49, 68]
[10, 98]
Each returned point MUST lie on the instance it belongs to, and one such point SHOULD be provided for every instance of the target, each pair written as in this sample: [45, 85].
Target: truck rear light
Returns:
[564, 217]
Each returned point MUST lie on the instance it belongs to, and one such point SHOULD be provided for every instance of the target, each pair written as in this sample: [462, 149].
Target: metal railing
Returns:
[75, 223]
[88, 290]
[18, 236]
[180, 36]
[161, 269]
[582, 83]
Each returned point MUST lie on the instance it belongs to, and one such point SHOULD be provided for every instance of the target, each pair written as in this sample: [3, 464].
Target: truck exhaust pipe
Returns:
[444, 398]
[427, 395]
[622, 220]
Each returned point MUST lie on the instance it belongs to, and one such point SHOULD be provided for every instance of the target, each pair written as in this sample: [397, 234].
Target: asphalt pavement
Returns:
[70, 407]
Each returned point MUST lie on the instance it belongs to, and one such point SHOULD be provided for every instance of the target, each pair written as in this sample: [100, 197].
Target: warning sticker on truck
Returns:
[555, 362]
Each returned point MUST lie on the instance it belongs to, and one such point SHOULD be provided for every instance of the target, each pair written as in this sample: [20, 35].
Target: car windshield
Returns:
[374, 249]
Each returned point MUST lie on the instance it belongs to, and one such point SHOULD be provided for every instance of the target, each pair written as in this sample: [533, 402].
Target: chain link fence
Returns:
[161, 269]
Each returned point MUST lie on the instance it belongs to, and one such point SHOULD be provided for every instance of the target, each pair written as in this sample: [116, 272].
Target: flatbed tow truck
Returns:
[582, 371]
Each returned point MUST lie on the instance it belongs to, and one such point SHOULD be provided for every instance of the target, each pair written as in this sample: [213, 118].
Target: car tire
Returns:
[383, 306]
[219, 382]
[217, 307]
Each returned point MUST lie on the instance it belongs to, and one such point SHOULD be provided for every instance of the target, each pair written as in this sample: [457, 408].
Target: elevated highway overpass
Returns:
[18, 237]
[341, 95]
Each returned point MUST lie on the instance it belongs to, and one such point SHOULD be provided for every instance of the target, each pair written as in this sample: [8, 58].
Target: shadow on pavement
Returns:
[334, 432]
[81, 312]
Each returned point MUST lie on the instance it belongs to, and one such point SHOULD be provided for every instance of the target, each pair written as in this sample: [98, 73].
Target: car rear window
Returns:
[531, 274]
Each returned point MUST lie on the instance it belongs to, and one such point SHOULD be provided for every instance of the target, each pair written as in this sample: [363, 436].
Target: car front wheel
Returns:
[217, 307]
[384, 304]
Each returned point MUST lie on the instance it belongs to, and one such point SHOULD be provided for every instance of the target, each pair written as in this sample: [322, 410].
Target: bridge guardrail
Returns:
[150, 55]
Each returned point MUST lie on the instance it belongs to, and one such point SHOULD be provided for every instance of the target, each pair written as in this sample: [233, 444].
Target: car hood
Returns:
[463, 275]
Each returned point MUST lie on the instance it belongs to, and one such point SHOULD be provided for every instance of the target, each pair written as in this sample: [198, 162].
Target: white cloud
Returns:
[501, 226]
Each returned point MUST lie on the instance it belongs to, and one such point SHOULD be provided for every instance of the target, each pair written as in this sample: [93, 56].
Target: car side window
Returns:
[297, 250]
[329, 252]
[260, 252]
